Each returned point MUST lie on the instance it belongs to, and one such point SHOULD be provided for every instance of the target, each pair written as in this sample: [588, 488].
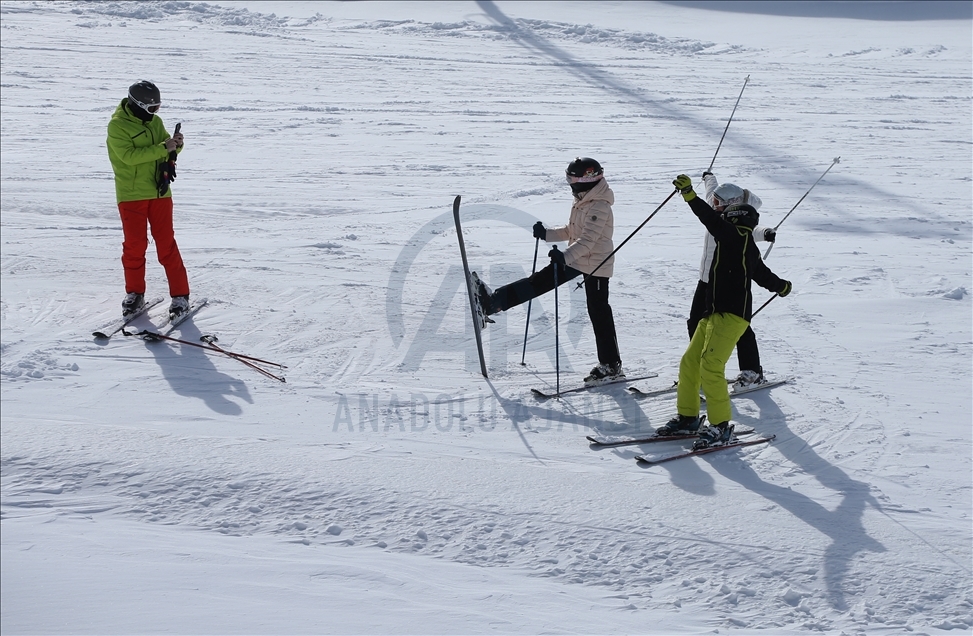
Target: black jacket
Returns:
[736, 262]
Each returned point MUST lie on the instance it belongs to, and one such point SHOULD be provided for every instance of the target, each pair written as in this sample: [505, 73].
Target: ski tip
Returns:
[98, 335]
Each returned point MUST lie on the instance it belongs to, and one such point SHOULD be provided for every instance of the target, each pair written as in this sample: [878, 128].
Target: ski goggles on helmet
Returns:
[588, 178]
[149, 108]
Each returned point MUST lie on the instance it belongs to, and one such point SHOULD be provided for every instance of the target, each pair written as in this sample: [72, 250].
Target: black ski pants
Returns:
[748, 356]
[596, 293]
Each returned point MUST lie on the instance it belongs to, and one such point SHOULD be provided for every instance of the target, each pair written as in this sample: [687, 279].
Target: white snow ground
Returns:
[387, 487]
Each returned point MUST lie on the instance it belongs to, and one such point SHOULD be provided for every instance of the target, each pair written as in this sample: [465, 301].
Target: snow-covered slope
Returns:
[387, 487]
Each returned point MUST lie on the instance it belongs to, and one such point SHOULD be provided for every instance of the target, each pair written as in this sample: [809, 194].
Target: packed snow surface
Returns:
[387, 487]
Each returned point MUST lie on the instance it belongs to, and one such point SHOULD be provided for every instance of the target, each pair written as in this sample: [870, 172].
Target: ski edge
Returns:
[672, 389]
[645, 459]
[469, 288]
[606, 442]
[194, 308]
[541, 394]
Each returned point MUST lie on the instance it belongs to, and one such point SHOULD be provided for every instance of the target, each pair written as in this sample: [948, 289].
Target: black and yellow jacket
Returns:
[736, 262]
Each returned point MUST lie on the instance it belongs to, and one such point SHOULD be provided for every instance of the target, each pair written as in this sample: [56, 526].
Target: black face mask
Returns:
[580, 189]
[142, 114]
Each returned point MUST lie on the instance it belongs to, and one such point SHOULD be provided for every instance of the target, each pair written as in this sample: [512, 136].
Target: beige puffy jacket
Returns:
[589, 232]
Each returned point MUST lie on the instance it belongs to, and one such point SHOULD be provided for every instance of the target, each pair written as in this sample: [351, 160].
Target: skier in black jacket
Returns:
[726, 316]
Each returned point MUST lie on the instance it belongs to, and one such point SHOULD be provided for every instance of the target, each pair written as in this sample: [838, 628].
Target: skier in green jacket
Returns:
[138, 144]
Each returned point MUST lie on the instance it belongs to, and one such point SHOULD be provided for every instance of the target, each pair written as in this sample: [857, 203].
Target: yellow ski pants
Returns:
[704, 365]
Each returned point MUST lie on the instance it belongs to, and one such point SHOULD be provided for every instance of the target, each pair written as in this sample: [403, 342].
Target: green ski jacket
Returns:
[135, 149]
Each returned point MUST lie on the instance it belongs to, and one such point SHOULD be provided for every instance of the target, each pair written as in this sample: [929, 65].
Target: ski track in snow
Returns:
[316, 147]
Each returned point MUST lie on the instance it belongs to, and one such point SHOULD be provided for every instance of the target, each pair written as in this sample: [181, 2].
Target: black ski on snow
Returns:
[118, 324]
[735, 443]
[630, 440]
[672, 389]
[546, 396]
[469, 288]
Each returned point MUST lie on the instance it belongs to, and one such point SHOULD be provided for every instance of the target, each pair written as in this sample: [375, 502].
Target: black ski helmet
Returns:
[583, 173]
[742, 214]
[144, 96]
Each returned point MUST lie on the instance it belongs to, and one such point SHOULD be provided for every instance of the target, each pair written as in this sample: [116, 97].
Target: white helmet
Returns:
[729, 194]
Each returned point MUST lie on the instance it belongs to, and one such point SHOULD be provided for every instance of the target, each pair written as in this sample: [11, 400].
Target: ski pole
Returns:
[654, 212]
[762, 306]
[557, 343]
[150, 335]
[834, 162]
[211, 340]
[728, 123]
[533, 269]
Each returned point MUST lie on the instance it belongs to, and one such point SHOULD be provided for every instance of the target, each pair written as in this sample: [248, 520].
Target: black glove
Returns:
[707, 172]
[685, 185]
[785, 288]
[540, 232]
[770, 235]
[557, 256]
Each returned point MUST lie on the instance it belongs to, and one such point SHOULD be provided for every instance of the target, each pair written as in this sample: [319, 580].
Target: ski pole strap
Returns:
[654, 212]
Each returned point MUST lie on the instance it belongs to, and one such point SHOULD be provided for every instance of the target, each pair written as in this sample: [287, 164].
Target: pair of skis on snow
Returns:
[607, 441]
[169, 325]
[626, 440]
[478, 318]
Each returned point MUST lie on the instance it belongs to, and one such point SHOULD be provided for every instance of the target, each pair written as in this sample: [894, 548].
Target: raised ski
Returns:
[476, 312]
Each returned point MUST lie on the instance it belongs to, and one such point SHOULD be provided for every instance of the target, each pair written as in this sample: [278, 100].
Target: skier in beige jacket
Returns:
[589, 236]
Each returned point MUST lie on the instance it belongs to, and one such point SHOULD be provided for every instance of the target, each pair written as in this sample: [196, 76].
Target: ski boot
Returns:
[178, 307]
[481, 300]
[747, 379]
[133, 302]
[605, 373]
[682, 425]
[717, 435]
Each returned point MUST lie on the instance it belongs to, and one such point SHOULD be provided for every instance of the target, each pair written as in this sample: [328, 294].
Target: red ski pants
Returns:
[137, 217]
